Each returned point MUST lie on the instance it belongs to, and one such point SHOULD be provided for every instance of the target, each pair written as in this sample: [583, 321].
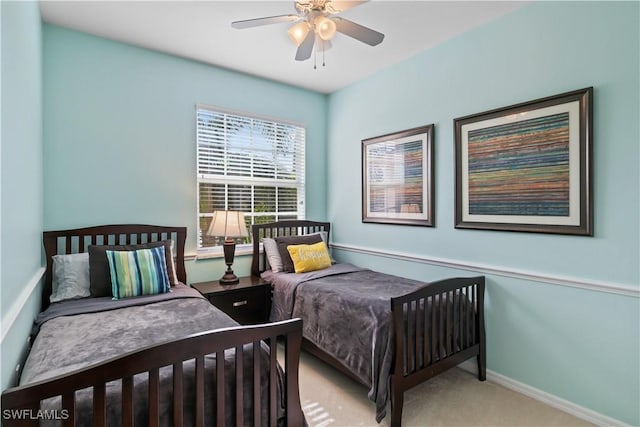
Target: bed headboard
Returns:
[277, 229]
[79, 239]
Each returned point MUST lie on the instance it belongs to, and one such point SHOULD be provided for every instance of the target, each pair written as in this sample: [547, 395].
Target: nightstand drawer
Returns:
[247, 302]
[246, 305]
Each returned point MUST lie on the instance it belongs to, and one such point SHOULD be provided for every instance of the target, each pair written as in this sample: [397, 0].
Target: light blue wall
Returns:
[21, 171]
[119, 147]
[577, 344]
[119, 138]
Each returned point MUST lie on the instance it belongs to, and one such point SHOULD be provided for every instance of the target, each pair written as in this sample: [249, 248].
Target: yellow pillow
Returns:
[309, 257]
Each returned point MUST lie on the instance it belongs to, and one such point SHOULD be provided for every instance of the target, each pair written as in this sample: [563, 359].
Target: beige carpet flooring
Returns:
[454, 398]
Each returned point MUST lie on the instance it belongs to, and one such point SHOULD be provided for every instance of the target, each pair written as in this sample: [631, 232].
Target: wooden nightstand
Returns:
[247, 302]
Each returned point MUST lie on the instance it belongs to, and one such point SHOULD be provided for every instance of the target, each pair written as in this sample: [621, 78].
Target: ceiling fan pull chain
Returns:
[323, 64]
[315, 58]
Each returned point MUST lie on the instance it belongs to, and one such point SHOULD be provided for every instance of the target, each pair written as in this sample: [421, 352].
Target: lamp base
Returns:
[229, 278]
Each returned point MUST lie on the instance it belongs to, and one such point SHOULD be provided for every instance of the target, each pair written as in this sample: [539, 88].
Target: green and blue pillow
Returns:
[139, 272]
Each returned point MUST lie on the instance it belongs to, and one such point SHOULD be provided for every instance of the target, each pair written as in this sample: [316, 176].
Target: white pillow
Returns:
[70, 277]
[273, 255]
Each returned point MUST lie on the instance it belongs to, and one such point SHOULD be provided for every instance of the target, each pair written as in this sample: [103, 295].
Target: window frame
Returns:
[299, 183]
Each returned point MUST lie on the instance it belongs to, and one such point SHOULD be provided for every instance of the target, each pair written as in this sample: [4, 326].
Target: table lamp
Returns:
[228, 224]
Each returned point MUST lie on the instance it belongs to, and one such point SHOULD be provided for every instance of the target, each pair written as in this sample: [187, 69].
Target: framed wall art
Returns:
[527, 167]
[397, 178]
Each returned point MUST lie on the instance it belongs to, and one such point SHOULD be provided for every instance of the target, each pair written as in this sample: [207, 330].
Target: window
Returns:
[248, 164]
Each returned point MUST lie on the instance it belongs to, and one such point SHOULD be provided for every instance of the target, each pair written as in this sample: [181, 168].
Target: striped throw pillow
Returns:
[141, 272]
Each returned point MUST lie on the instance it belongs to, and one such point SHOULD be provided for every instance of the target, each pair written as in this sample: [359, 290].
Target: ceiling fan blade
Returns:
[341, 5]
[358, 32]
[306, 47]
[248, 23]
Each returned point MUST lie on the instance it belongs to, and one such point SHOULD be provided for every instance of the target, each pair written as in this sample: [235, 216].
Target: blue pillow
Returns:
[141, 272]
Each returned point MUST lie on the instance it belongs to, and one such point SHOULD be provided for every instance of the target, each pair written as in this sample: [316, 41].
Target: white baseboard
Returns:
[10, 317]
[544, 397]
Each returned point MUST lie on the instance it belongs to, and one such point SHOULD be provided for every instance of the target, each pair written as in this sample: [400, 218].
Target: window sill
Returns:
[219, 254]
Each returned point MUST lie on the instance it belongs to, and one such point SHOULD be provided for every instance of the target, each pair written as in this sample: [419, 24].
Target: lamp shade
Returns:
[325, 27]
[298, 32]
[227, 224]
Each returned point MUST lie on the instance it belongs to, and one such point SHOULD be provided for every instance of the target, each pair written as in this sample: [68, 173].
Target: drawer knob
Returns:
[239, 303]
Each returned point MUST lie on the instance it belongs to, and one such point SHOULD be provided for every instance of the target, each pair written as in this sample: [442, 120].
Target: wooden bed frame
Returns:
[20, 405]
[412, 364]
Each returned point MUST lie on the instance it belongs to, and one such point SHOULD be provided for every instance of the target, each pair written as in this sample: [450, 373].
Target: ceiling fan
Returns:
[317, 23]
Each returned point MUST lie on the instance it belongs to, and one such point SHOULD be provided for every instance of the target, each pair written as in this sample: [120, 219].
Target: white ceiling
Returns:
[201, 30]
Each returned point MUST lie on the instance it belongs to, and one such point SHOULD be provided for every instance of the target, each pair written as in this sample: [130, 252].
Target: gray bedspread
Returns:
[347, 313]
[93, 305]
[70, 339]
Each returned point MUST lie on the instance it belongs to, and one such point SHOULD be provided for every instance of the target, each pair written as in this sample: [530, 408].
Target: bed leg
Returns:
[482, 365]
[397, 401]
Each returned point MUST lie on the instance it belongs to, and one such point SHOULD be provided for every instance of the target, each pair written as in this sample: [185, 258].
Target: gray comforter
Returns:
[75, 334]
[347, 313]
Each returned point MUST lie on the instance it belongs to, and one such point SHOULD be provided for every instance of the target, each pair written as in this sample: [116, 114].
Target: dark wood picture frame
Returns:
[527, 167]
[398, 178]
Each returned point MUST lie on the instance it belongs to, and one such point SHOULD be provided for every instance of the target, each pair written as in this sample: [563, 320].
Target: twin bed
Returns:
[151, 360]
[385, 332]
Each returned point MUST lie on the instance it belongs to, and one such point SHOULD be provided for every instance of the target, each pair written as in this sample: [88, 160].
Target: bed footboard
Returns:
[21, 405]
[436, 328]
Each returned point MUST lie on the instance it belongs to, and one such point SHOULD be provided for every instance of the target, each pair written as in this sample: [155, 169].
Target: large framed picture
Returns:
[397, 178]
[527, 167]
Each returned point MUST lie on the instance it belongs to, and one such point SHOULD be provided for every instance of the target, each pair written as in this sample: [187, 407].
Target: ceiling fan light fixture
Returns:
[325, 27]
[298, 32]
[316, 24]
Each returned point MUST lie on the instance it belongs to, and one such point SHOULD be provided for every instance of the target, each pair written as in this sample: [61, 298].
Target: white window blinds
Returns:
[248, 164]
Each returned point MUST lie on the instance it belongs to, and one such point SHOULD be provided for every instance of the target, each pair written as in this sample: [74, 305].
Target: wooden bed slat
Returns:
[220, 404]
[434, 328]
[292, 360]
[239, 385]
[127, 401]
[99, 406]
[178, 403]
[67, 245]
[273, 413]
[257, 384]
[411, 307]
[447, 324]
[199, 403]
[69, 406]
[468, 320]
[154, 398]
[442, 343]
[471, 320]
[461, 316]
[425, 335]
